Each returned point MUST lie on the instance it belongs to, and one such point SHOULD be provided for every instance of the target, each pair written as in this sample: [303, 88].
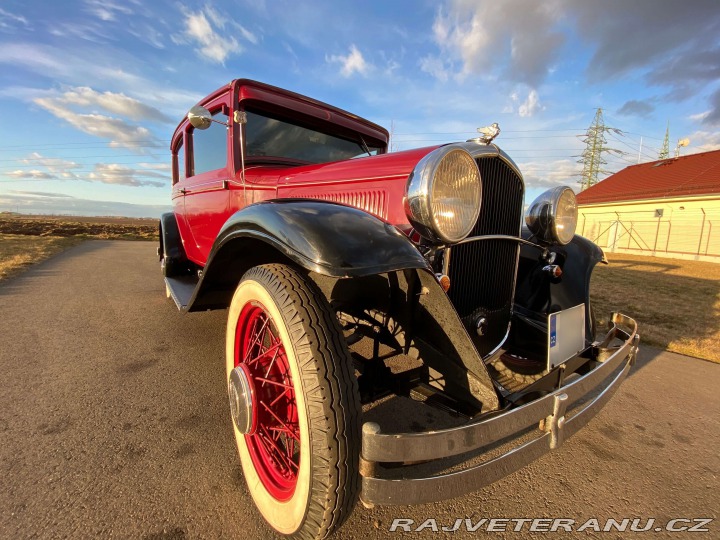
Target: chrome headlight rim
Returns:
[419, 195]
[542, 216]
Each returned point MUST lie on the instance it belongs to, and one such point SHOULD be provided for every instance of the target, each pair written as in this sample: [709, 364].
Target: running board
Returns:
[181, 289]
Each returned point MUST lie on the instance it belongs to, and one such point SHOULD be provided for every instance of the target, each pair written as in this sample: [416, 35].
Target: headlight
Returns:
[443, 195]
[552, 217]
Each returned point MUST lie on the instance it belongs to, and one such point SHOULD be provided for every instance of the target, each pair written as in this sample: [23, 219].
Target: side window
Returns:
[210, 146]
[179, 164]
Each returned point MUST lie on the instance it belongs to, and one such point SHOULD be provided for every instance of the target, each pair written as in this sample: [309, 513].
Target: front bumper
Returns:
[381, 485]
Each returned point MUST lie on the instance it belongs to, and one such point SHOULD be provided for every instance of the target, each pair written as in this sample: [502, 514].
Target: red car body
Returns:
[330, 252]
[202, 203]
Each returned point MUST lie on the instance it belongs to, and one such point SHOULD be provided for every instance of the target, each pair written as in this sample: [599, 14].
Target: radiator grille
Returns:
[482, 273]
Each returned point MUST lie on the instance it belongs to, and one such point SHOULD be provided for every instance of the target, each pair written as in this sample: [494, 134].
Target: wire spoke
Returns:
[257, 335]
[282, 455]
[277, 418]
[272, 362]
[264, 354]
[274, 383]
[281, 395]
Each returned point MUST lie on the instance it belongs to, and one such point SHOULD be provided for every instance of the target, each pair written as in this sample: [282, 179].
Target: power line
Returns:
[36, 145]
[651, 158]
[45, 158]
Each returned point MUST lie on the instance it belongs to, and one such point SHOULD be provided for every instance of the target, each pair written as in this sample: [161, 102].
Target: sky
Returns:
[91, 90]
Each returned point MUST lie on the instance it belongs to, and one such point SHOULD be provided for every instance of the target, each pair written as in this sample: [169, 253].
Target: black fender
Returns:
[323, 237]
[537, 293]
[173, 260]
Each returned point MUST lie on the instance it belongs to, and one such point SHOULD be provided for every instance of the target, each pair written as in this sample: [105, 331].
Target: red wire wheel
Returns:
[274, 442]
[294, 402]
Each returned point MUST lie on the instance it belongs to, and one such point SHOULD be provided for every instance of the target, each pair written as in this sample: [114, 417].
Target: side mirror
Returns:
[199, 117]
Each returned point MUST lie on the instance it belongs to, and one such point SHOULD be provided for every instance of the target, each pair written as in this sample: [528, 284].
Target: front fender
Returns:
[541, 294]
[323, 237]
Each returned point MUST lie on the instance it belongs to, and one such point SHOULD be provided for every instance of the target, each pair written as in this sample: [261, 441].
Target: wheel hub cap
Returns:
[242, 397]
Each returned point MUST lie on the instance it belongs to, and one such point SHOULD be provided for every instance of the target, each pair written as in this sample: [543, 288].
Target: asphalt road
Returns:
[114, 424]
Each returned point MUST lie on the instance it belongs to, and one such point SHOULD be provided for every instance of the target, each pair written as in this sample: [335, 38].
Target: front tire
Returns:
[300, 444]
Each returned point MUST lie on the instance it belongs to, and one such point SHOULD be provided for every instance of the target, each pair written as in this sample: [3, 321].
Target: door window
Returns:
[210, 146]
[179, 164]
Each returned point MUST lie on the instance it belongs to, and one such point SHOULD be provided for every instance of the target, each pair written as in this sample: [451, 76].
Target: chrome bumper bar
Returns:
[548, 412]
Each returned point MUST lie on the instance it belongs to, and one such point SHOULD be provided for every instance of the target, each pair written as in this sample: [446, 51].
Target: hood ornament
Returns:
[487, 134]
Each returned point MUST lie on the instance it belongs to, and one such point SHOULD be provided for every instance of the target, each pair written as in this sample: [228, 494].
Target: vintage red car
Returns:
[351, 274]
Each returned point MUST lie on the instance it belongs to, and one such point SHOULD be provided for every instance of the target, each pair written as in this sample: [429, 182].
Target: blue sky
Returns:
[91, 90]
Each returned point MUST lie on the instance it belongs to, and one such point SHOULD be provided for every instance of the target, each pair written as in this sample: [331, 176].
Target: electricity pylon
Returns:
[595, 146]
[665, 150]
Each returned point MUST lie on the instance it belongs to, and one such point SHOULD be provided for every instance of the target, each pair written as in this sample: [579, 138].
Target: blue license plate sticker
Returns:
[553, 330]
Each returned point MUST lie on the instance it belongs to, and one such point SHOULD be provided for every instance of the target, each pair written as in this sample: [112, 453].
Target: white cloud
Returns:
[247, 34]
[119, 132]
[113, 173]
[699, 117]
[520, 41]
[353, 62]
[435, 66]
[106, 10]
[79, 107]
[703, 141]
[57, 166]
[205, 35]
[147, 33]
[531, 105]
[33, 174]
[94, 32]
[7, 18]
[156, 166]
[117, 103]
[478, 34]
[547, 174]
[146, 174]
[71, 67]
[40, 194]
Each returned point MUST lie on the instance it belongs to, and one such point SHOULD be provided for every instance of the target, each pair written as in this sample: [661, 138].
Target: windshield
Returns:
[270, 137]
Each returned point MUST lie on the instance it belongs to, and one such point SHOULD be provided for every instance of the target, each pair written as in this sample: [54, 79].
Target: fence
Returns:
[677, 233]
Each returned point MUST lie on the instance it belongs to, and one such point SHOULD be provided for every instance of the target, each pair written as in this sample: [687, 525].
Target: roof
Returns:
[692, 175]
[247, 89]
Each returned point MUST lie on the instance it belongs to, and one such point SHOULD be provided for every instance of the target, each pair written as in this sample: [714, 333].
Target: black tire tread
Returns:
[331, 395]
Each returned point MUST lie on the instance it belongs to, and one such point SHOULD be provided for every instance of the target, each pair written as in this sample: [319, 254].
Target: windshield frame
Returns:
[302, 128]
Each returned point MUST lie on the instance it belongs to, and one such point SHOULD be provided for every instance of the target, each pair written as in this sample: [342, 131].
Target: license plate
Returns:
[566, 334]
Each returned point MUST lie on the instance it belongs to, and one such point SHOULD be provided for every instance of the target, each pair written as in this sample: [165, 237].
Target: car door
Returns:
[205, 193]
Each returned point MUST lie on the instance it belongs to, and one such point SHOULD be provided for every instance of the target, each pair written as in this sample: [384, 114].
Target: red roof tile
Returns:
[695, 174]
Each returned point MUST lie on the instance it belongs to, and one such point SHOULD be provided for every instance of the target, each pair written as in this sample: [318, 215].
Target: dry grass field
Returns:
[18, 251]
[25, 240]
[676, 302]
[108, 228]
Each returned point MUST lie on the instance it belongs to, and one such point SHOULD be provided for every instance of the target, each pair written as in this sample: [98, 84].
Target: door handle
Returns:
[183, 191]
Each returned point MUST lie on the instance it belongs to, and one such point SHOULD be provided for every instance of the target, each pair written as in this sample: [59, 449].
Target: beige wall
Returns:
[689, 228]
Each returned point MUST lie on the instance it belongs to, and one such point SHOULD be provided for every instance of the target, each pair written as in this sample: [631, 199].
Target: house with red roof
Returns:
[666, 208]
